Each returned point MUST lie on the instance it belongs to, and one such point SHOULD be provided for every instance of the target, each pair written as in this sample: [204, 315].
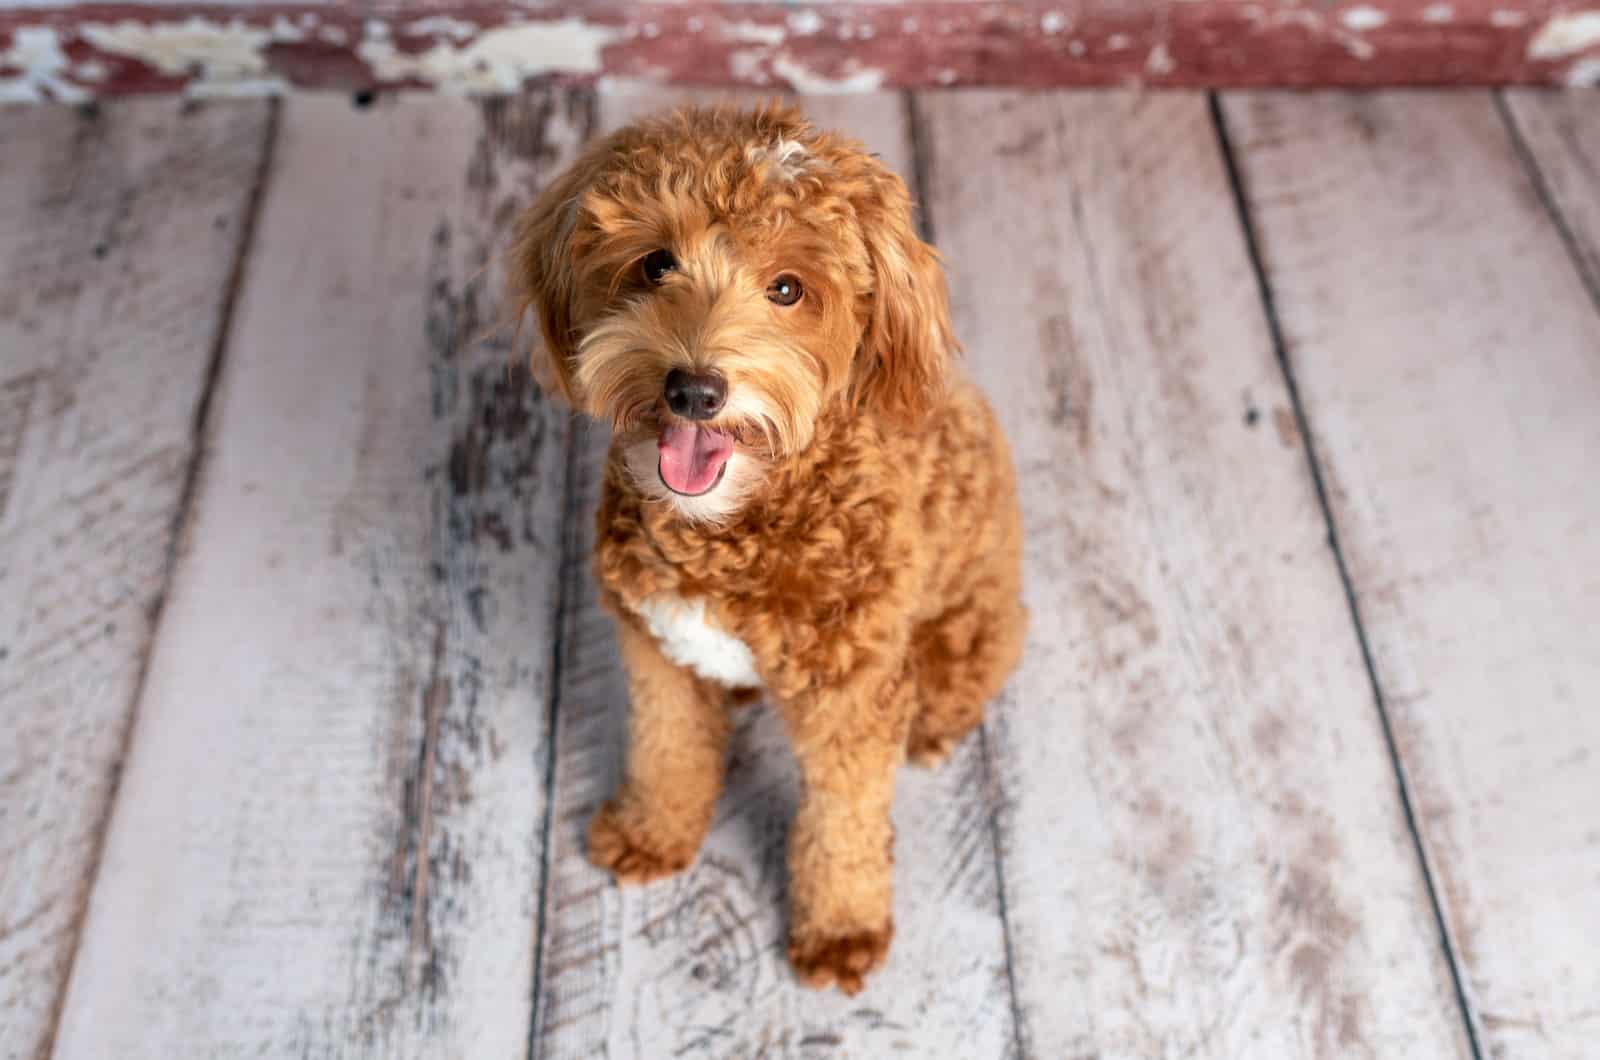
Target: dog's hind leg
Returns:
[960, 659]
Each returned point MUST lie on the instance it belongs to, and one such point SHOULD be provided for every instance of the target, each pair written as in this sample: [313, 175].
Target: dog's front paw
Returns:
[626, 848]
[821, 959]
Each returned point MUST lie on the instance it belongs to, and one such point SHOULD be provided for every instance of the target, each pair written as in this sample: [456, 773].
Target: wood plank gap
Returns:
[200, 432]
[995, 803]
[1469, 1014]
[922, 163]
[1589, 277]
[572, 565]
[573, 554]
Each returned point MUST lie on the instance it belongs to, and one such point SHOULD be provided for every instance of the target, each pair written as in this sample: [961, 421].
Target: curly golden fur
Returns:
[857, 552]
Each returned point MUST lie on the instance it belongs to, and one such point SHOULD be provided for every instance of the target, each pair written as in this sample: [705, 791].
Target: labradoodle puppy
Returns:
[803, 497]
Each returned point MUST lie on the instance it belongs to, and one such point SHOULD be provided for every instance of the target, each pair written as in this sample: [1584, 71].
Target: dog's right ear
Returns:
[544, 276]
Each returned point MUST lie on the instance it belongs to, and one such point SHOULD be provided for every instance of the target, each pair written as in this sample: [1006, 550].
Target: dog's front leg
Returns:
[677, 733]
[848, 743]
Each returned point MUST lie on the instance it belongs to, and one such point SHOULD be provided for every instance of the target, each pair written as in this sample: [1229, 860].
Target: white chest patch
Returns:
[688, 638]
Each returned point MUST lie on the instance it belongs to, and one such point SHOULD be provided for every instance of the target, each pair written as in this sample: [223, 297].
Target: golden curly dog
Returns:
[802, 496]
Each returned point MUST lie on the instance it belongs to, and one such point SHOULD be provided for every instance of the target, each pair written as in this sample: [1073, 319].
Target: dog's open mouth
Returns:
[693, 458]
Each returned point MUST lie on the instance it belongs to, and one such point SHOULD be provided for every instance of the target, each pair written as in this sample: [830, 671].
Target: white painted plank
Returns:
[328, 841]
[1450, 362]
[1562, 132]
[694, 966]
[118, 232]
[1203, 847]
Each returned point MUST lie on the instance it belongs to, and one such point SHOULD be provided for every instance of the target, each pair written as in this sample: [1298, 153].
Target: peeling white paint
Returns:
[284, 30]
[755, 33]
[442, 26]
[1358, 48]
[1585, 73]
[804, 80]
[1565, 35]
[36, 51]
[748, 65]
[498, 60]
[805, 23]
[226, 55]
[626, 85]
[1363, 18]
[1295, 16]
[20, 90]
[245, 88]
[217, 51]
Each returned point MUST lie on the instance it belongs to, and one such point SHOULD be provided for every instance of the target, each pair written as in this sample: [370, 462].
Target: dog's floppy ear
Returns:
[543, 270]
[908, 343]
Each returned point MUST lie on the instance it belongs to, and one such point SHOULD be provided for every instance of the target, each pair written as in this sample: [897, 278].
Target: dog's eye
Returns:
[657, 264]
[785, 290]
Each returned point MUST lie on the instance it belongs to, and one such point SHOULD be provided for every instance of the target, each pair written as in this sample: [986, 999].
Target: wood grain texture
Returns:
[1449, 360]
[1561, 131]
[328, 841]
[118, 231]
[1203, 847]
[694, 966]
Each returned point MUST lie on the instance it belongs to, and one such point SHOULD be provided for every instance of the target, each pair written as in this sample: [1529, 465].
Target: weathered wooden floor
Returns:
[306, 699]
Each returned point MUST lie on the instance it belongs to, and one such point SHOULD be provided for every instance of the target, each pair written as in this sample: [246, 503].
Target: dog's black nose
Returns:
[695, 395]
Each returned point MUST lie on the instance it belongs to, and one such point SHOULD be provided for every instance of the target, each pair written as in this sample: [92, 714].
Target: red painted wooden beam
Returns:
[76, 51]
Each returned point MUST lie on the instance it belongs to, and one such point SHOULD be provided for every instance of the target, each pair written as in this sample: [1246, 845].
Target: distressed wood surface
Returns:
[694, 966]
[61, 50]
[1449, 360]
[1561, 131]
[118, 233]
[328, 840]
[1203, 848]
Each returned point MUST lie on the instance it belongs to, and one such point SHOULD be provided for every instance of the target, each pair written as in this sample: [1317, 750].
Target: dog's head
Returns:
[712, 281]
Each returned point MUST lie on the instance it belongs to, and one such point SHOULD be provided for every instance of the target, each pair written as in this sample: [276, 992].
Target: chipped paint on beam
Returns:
[214, 50]
[1584, 74]
[1363, 18]
[497, 60]
[36, 52]
[71, 51]
[1566, 34]
[802, 79]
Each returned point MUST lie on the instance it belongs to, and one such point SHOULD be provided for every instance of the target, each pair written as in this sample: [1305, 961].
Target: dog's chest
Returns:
[689, 638]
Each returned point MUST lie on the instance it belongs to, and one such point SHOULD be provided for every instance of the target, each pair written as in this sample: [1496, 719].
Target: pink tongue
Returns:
[692, 457]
